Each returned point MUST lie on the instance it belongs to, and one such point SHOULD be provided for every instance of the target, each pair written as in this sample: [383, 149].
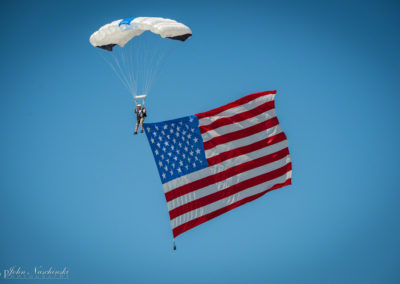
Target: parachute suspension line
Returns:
[159, 66]
[135, 56]
[127, 59]
[138, 69]
[120, 63]
[125, 62]
[131, 64]
[154, 58]
[145, 61]
[139, 63]
[119, 74]
[134, 62]
[151, 57]
[154, 50]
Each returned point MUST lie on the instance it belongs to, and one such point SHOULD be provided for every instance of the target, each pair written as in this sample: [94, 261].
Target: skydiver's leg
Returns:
[141, 124]
[137, 126]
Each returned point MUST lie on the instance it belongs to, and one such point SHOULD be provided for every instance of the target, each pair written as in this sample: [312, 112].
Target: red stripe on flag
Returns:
[238, 117]
[240, 133]
[195, 222]
[197, 184]
[246, 184]
[236, 103]
[246, 149]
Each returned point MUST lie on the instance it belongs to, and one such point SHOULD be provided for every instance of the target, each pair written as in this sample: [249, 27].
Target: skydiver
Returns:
[140, 115]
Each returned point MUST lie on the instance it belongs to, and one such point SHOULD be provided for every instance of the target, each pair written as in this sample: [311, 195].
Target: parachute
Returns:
[136, 48]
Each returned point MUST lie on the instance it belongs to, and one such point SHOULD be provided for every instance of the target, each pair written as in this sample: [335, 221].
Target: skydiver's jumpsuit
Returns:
[140, 115]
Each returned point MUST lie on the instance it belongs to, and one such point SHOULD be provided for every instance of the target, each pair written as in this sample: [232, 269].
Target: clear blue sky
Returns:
[79, 190]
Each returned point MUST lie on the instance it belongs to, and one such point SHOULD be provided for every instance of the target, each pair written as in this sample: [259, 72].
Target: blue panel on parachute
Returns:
[126, 21]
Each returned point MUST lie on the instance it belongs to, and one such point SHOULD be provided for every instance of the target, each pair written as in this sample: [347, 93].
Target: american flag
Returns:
[214, 161]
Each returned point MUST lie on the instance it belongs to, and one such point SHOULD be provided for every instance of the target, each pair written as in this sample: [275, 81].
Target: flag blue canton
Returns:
[177, 147]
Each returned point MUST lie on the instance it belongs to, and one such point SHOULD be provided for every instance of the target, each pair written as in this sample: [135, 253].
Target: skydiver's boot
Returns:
[135, 132]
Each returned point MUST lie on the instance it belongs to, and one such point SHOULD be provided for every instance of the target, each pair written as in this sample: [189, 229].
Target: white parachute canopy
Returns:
[136, 55]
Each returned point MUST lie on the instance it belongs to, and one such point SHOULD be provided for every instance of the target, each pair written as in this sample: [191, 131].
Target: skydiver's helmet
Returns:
[139, 106]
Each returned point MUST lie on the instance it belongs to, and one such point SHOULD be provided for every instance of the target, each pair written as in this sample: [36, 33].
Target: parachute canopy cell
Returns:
[122, 31]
